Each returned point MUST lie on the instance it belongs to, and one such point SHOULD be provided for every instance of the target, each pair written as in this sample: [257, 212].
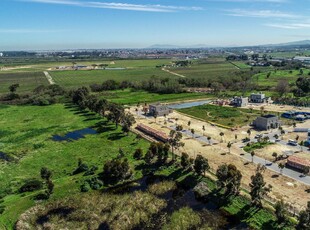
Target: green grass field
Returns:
[27, 81]
[290, 75]
[227, 116]
[129, 97]
[26, 133]
[72, 79]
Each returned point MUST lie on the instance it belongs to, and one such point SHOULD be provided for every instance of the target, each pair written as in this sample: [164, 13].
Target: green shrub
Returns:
[31, 185]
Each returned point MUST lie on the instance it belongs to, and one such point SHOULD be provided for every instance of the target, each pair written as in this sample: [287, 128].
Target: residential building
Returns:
[267, 122]
[240, 101]
[257, 98]
[159, 109]
[298, 162]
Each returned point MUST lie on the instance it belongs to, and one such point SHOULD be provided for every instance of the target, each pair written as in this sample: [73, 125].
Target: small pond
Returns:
[75, 135]
[188, 104]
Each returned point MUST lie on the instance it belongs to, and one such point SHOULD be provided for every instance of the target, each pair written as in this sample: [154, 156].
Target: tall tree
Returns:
[185, 162]
[229, 146]
[258, 186]
[304, 218]
[116, 113]
[201, 165]
[282, 87]
[127, 121]
[229, 178]
[175, 138]
[280, 211]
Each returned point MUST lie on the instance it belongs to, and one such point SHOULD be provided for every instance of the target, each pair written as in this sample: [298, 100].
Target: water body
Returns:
[188, 104]
[75, 135]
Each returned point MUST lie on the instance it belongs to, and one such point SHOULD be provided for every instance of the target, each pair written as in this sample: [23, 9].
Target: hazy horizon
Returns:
[98, 24]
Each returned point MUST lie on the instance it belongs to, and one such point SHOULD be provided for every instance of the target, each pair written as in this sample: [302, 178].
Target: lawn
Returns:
[26, 133]
[27, 81]
[227, 116]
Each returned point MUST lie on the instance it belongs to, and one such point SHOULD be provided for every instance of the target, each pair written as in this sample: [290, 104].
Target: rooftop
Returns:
[300, 161]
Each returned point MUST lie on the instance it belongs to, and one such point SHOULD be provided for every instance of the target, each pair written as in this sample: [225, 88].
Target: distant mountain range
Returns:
[168, 46]
[296, 43]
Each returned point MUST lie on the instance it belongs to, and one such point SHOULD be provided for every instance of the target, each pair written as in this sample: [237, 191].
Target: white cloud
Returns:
[260, 14]
[118, 6]
[292, 26]
[263, 1]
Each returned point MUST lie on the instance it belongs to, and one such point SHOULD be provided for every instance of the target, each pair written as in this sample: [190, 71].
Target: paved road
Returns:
[257, 160]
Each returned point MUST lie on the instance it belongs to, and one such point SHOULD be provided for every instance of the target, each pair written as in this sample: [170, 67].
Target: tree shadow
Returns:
[104, 226]
[115, 136]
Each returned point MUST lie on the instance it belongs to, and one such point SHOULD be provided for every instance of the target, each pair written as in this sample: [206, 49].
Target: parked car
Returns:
[292, 142]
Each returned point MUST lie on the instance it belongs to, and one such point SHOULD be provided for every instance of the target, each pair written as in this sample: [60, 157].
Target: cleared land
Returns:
[27, 81]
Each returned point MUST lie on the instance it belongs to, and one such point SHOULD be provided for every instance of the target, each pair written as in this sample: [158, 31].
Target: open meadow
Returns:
[26, 138]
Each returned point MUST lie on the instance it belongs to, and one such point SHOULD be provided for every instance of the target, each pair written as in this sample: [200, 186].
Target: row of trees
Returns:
[112, 111]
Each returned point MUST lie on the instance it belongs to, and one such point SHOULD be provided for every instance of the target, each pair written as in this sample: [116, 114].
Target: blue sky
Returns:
[68, 24]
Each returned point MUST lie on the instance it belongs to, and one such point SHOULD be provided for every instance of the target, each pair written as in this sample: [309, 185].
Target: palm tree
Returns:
[281, 167]
[229, 146]
[222, 134]
[249, 132]
[275, 155]
[252, 155]
[193, 132]
[209, 139]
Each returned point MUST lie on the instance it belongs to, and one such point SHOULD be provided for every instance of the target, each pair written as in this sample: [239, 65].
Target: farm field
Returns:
[27, 66]
[27, 81]
[26, 135]
[72, 79]
[212, 69]
[129, 97]
[227, 116]
[288, 54]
